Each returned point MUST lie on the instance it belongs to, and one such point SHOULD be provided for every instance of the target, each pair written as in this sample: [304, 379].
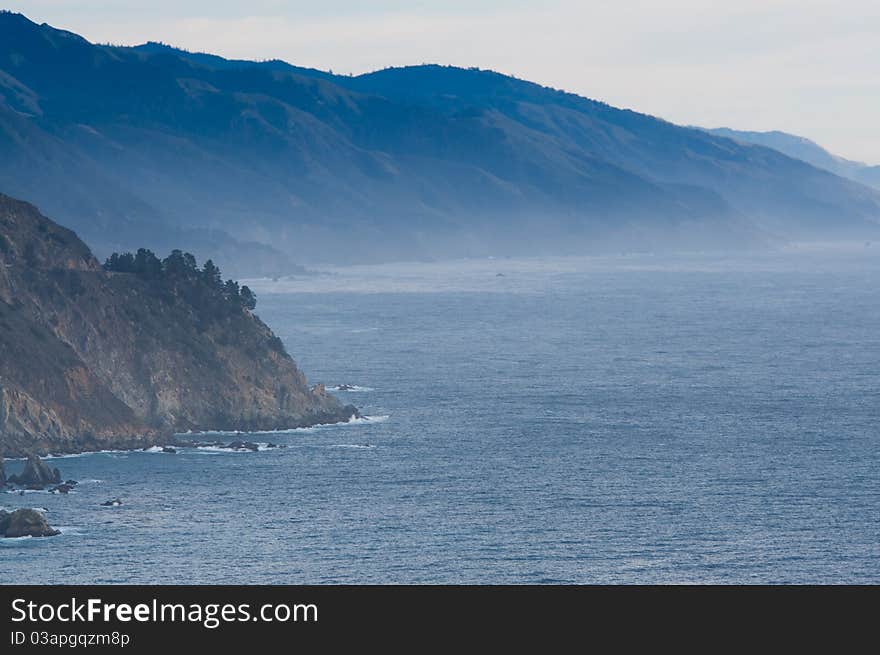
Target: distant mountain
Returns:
[152, 144]
[811, 152]
[215, 61]
[93, 359]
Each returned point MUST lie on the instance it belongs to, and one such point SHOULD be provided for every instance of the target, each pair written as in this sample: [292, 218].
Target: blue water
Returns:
[626, 419]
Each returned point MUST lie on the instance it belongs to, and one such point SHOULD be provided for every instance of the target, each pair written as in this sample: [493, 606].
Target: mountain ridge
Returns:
[799, 147]
[127, 144]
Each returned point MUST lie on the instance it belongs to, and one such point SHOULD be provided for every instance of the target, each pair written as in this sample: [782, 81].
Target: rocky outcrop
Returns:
[36, 475]
[25, 523]
[95, 360]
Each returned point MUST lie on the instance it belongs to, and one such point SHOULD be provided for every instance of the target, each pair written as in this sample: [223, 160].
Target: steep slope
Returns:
[423, 161]
[93, 359]
[779, 193]
[799, 147]
[869, 175]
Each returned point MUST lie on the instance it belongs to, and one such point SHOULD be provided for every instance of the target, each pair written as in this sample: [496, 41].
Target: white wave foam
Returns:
[353, 445]
[350, 388]
[155, 449]
[68, 530]
[261, 447]
[91, 452]
[354, 420]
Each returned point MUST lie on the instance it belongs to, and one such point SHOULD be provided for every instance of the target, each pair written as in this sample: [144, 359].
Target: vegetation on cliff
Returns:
[125, 355]
[179, 273]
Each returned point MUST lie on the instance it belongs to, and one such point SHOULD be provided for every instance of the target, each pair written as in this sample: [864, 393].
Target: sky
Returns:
[809, 67]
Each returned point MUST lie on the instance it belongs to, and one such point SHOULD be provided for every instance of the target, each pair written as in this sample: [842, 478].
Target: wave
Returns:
[68, 530]
[350, 388]
[11, 540]
[353, 445]
[354, 420]
[71, 455]
[261, 447]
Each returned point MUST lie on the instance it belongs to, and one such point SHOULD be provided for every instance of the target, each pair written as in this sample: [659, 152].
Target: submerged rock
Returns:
[169, 449]
[243, 445]
[116, 502]
[36, 475]
[61, 489]
[25, 523]
[235, 445]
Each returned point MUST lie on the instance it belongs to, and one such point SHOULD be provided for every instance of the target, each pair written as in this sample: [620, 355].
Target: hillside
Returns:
[95, 359]
[260, 164]
[799, 147]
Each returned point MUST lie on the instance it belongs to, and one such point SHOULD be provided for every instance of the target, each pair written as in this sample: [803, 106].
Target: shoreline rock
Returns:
[236, 446]
[25, 523]
[166, 440]
[36, 475]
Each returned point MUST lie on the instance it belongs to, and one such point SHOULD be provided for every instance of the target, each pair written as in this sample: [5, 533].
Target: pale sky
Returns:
[810, 67]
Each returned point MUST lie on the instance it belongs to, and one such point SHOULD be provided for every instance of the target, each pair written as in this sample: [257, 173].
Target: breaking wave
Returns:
[354, 420]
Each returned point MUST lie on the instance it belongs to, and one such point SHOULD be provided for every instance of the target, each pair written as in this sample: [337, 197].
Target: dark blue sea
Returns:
[631, 419]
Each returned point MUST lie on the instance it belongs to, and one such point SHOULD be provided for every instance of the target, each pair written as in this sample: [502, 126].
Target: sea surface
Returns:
[630, 419]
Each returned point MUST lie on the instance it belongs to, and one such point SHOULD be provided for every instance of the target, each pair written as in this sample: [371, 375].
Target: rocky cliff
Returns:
[91, 359]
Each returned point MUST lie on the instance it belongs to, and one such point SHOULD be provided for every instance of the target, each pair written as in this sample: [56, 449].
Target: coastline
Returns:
[346, 414]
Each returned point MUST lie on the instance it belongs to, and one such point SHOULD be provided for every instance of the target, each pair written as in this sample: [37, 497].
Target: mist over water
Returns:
[618, 419]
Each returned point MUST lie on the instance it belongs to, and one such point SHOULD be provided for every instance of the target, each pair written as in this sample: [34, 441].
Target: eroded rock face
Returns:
[96, 360]
[25, 523]
[36, 474]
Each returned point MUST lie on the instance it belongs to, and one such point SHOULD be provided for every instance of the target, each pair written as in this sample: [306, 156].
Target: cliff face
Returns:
[91, 359]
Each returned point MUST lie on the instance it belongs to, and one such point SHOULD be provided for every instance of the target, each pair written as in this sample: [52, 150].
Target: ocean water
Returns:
[629, 419]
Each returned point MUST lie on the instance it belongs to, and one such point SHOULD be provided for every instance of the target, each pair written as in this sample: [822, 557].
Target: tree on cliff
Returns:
[248, 298]
[179, 272]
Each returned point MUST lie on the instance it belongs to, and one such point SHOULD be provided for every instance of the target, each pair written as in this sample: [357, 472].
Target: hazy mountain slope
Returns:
[869, 175]
[418, 162]
[811, 152]
[778, 192]
[92, 359]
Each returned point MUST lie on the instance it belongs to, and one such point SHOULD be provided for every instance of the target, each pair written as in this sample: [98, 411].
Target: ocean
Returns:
[629, 419]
